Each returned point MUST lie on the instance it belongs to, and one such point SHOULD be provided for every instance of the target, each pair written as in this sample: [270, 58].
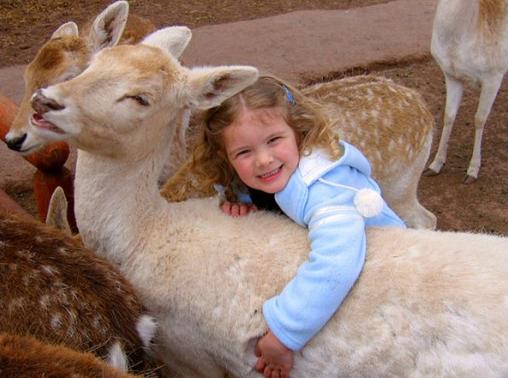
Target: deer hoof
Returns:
[429, 172]
[469, 179]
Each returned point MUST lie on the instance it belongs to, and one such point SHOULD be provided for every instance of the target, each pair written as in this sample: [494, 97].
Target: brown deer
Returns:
[27, 357]
[470, 44]
[54, 289]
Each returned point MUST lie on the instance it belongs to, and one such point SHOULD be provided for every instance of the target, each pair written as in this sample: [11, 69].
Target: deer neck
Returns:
[115, 201]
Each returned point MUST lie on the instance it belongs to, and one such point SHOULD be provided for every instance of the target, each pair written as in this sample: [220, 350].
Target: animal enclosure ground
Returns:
[482, 206]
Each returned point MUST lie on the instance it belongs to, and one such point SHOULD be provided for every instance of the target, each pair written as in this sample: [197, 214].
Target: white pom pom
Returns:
[368, 203]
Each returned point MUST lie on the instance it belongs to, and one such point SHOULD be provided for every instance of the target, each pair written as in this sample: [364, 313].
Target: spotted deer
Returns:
[427, 303]
[470, 44]
[55, 290]
[389, 123]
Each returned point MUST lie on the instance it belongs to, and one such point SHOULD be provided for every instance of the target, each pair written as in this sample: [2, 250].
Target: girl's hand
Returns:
[274, 359]
[237, 209]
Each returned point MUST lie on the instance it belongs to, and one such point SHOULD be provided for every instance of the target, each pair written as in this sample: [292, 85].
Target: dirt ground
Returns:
[482, 206]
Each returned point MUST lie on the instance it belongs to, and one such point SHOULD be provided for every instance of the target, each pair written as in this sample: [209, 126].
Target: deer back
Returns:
[58, 291]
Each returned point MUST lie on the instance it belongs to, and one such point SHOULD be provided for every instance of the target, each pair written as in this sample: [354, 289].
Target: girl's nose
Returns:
[263, 158]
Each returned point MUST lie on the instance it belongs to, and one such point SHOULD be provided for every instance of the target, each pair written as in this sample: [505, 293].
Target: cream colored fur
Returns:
[427, 303]
[470, 44]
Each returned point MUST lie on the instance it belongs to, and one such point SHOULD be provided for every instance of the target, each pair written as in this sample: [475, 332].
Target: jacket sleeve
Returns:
[338, 245]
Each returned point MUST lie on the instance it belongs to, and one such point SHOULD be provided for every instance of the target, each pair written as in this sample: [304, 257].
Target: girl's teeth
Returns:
[270, 173]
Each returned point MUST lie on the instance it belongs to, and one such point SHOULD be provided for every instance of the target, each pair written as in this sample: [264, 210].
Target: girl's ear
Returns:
[209, 87]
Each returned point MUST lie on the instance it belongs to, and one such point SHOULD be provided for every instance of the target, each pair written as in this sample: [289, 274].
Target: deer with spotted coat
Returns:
[427, 303]
[388, 122]
[470, 44]
[55, 290]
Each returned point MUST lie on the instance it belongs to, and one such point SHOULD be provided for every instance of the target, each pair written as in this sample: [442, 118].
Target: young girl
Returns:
[272, 145]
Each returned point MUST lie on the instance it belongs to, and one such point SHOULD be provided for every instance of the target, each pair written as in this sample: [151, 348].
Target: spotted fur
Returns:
[58, 291]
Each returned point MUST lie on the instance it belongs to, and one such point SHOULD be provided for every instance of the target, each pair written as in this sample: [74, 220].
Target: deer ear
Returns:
[108, 26]
[211, 86]
[173, 39]
[57, 211]
[69, 29]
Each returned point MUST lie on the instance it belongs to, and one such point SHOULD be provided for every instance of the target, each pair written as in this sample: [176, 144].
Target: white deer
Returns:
[470, 43]
[427, 303]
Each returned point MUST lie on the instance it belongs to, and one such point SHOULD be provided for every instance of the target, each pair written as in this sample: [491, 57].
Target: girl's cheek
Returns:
[237, 166]
[243, 167]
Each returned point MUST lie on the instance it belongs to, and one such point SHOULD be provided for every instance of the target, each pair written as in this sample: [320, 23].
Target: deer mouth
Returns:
[41, 123]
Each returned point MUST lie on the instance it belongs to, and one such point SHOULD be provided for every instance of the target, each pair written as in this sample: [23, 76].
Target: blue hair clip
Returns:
[289, 95]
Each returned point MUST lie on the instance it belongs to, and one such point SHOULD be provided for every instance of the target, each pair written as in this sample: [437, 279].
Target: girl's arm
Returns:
[337, 236]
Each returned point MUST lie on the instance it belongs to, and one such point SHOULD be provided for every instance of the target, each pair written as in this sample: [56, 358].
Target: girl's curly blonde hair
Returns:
[209, 164]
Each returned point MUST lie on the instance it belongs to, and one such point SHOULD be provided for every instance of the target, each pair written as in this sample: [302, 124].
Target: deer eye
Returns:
[141, 99]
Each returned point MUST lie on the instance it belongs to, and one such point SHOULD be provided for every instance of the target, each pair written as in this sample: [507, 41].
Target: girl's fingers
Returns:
[260, 365]
[226, 207]
[235, 210]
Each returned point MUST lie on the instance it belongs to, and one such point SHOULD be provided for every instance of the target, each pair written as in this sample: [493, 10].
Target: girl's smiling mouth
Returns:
[270, 176]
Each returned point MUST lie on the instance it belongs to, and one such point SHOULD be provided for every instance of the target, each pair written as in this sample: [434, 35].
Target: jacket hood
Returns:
[318, 163]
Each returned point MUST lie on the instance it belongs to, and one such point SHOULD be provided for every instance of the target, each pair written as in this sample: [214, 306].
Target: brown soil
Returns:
[481, 206]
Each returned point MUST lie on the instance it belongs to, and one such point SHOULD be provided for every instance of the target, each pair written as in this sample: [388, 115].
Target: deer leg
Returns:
[454, 90]
[404, 197]
[487, 96]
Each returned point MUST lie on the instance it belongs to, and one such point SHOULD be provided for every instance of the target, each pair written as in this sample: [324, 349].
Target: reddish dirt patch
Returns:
[481, 207]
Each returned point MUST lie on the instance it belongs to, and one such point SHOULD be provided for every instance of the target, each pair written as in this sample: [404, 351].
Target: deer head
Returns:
[121, 105]
[65, 55]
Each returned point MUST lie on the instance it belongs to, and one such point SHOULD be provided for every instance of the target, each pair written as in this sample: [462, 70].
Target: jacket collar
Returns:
[318, 163]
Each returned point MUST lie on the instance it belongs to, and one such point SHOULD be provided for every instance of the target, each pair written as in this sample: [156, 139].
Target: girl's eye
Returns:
[242, 153]
[274, 139]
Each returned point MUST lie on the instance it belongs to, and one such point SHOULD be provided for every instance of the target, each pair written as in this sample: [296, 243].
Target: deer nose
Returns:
[16, 143]
[42, 104]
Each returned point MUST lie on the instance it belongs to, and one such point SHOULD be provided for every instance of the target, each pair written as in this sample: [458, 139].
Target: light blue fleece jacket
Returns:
[337, 238]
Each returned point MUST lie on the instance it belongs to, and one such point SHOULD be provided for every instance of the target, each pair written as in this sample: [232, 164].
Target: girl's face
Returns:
[262, 149]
